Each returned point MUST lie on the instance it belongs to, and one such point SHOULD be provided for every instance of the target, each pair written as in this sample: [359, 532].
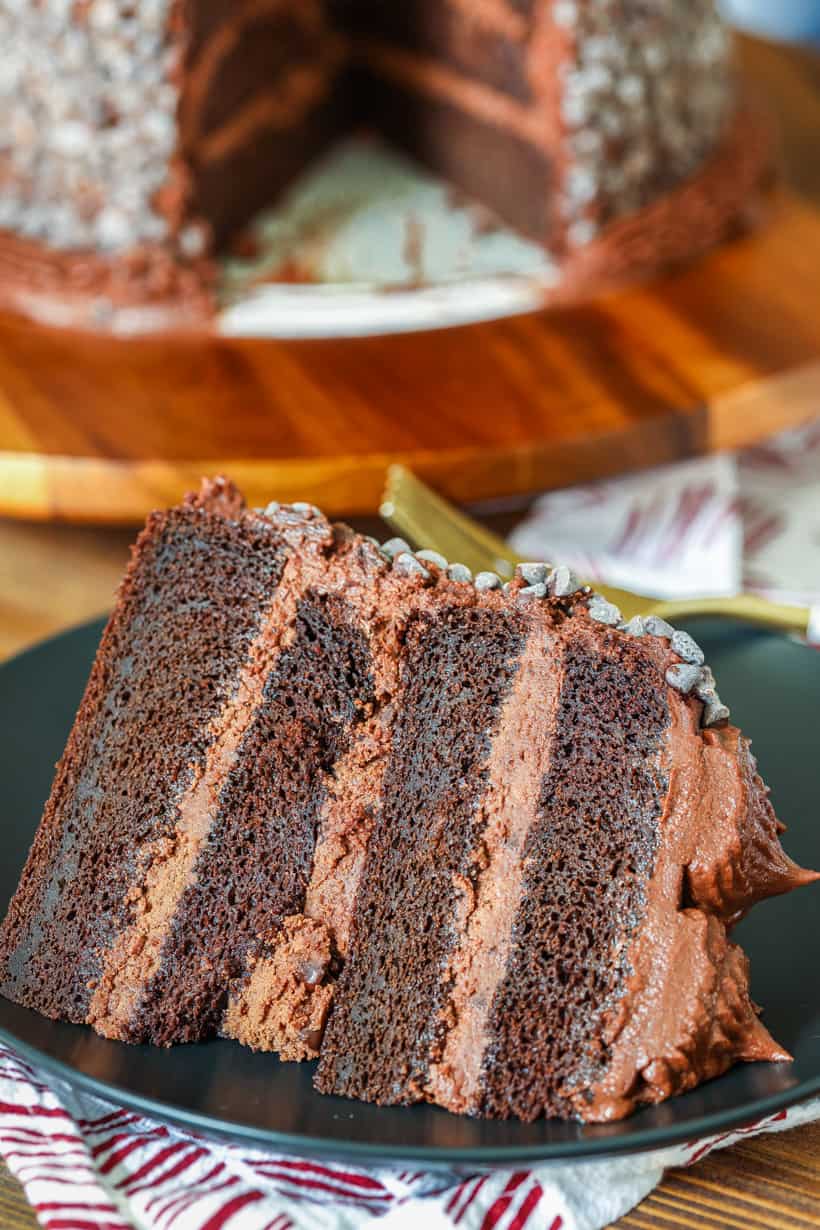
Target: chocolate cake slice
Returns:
[467, 844]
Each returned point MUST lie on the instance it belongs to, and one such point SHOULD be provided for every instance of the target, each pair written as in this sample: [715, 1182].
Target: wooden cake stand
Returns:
[99, 429]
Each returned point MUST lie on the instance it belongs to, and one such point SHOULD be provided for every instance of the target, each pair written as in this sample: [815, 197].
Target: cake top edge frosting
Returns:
[533, 581]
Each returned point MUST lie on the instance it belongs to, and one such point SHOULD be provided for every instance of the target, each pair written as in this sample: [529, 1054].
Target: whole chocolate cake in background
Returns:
[137, 140]
[465, 843]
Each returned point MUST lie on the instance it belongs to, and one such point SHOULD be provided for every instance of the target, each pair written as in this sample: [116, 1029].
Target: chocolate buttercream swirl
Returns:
[687, 1014]
[737, 858]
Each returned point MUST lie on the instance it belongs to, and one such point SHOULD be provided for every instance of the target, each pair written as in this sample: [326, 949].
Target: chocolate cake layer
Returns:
[252, 51]
[588, 858]
[458, 667]
[281, 1001]
[482, 158]
[263, 834]
[264, 93]
[488, 40]
[169, 661]
[269, 157]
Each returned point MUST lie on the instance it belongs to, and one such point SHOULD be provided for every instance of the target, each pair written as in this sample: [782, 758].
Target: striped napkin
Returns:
[709, 526]
[88, 1165]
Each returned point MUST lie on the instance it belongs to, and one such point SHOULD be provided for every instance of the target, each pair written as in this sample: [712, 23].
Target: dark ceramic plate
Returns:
[773, 686]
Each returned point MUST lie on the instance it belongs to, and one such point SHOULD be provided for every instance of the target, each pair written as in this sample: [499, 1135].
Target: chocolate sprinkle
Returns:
[687, 648]
[656, 626]
[683, 677]
[604, 612]
[563, 582]
[533, 573]
[487, 580]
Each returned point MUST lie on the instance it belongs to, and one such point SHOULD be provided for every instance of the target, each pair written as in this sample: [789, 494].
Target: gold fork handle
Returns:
[748, 607]
[423, 517]
[426, 519]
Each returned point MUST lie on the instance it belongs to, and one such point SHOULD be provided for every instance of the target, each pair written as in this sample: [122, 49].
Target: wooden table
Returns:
[55, 576]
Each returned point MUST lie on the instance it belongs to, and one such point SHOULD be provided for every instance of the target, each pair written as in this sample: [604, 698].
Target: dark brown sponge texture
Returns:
[588, 857]
[256, 864]
[458, 667]
[188, 609]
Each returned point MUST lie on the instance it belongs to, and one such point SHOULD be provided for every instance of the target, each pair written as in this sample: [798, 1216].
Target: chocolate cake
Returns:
[465, 843]
[137, 140]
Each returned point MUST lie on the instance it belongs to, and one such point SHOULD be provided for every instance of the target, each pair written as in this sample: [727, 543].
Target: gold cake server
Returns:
[425, 519]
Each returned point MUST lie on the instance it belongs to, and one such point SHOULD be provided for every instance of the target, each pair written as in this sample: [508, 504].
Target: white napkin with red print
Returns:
[86, 1165]
[711, 526]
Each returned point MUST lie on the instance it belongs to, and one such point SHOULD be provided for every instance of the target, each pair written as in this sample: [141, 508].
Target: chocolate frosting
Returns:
[686, 1014]
[737, 859]
[145, 290]
[217, 495]
[283, 1003]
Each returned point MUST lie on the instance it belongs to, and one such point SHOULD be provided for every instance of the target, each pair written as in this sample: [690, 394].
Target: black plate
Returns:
[219, 1087]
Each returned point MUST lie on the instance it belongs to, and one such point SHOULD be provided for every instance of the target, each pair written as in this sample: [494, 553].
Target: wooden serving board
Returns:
[99, 429]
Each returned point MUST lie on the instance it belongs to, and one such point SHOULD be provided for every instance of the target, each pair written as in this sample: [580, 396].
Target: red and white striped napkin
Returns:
[87, 1165]
[709, 526]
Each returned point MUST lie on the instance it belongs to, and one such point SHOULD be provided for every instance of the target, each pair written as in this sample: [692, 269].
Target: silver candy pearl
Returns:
[531, 592]
[563, 582]
[656, 626]
[715, 712]
[635, 626]
[533, 573]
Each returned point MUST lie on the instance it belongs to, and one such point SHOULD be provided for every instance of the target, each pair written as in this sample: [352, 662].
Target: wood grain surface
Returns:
[100, 429]
[54, 576]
